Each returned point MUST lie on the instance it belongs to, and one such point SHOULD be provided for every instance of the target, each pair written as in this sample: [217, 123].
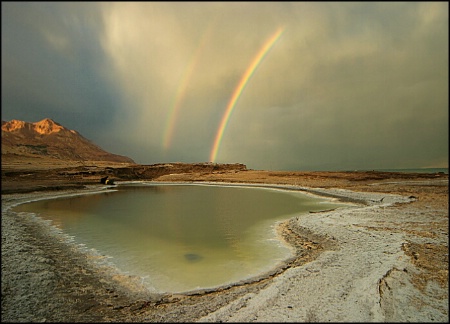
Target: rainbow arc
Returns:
[267, 46]
[174, 110]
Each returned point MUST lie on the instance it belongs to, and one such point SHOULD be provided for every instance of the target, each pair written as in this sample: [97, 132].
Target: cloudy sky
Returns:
[273, 85]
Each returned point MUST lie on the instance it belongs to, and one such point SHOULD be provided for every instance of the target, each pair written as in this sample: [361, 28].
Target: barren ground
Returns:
[386, 260]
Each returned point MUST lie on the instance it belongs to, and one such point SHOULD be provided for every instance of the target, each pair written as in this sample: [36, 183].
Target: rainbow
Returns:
[182, 89]
[270, 42]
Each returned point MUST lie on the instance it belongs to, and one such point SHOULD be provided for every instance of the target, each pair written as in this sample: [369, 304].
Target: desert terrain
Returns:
[385, 260]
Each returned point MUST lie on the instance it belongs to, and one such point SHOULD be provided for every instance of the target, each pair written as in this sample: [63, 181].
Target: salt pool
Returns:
[181, 237]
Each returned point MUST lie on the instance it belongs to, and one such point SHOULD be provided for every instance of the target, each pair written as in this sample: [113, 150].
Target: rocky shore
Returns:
[384, 260]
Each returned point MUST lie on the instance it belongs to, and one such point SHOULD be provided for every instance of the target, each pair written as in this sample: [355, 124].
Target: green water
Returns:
[181, 237]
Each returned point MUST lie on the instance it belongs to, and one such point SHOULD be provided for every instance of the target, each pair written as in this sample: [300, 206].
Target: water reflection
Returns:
[181, 236]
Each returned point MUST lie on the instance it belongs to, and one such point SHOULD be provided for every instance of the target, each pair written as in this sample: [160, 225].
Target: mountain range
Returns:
[48, 139]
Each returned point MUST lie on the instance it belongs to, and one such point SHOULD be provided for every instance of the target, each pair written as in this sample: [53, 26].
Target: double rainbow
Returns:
[270, 42]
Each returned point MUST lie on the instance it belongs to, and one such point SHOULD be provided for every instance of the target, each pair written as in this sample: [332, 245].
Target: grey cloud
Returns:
[347, 85]
[53, 66]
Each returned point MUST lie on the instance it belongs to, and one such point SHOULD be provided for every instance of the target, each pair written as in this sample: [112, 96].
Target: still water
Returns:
[181, 237]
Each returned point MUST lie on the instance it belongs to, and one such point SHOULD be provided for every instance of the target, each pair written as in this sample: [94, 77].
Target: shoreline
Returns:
[325, 242]
[281, 228]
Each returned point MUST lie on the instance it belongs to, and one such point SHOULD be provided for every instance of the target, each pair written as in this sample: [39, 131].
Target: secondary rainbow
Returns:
[182, 89]
[270, 42]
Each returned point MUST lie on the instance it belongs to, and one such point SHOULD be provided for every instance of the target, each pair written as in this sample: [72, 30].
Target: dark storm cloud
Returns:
[53, 65]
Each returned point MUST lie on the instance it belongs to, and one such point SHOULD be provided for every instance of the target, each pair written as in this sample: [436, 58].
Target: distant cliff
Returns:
[48, 139]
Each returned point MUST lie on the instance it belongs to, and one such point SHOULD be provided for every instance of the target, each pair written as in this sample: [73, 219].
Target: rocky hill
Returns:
[48, 140]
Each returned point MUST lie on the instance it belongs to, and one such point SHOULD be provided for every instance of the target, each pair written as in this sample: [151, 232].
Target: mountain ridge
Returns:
[49, 139]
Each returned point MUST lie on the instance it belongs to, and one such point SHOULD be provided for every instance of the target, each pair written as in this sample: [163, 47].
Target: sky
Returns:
[272, 85]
